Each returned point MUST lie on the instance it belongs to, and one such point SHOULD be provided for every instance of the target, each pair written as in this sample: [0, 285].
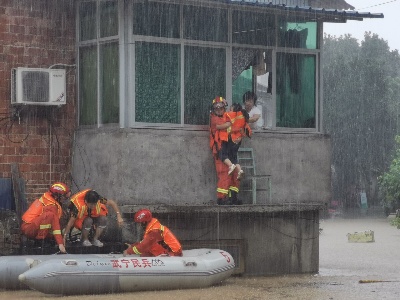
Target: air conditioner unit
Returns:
[38, 86]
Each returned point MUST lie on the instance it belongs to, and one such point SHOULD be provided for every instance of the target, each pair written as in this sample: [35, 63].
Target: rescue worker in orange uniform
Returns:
[237, 118]
[157, 239]
[41, 221]
[88, 208]
[227, 184]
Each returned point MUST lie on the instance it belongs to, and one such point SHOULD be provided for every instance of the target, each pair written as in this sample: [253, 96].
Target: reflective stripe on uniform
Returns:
[234, 188]
[222, 191]
[57, 231]
[162, 230]
[45, 226]
[135, 250]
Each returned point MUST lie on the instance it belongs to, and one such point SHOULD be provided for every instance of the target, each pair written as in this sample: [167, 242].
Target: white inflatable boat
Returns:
[14, 265]
[197, 268]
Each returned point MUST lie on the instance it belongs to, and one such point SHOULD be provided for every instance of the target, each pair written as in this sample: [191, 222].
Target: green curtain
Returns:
[204, 80]
[295, 92]
[157, 83]
[242, 84]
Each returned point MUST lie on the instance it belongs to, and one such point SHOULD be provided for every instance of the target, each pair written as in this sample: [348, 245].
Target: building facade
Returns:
[140, 77]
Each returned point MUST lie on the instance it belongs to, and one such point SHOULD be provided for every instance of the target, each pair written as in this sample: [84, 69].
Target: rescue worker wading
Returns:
[42, 219]
[157, 239]
[227, 185]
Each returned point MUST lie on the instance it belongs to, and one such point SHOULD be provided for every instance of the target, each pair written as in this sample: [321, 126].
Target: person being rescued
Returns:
[231, 133]
[157, 239]
[87, 210]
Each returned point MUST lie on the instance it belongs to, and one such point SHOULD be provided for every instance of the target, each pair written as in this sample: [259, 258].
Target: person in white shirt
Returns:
[249, 101]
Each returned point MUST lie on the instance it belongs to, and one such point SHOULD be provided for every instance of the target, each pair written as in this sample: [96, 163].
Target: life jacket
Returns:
[36, 208]
[223, 133]
[238, 129]
[170, 242]
[79, 201]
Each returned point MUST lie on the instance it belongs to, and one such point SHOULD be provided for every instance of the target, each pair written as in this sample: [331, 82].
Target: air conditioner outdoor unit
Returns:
[38, 86]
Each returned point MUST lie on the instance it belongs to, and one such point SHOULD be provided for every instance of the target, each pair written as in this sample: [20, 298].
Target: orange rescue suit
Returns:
[79, 201]
[225, 182]
[215, 141]
[42, 216]
[157, 240]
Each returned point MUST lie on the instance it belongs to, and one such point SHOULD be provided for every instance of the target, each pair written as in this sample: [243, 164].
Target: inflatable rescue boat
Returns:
[14, 265]
[197, 268]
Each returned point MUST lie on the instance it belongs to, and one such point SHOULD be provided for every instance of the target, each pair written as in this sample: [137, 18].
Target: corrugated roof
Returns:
[331, 4]
[322, 14]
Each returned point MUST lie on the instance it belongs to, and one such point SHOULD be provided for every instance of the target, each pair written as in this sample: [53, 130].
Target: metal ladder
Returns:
[246, 161]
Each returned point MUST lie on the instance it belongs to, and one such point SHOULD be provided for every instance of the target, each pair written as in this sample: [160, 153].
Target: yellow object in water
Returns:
[361, 237]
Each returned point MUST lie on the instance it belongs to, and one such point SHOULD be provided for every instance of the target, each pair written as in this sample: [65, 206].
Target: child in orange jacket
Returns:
[231, 134]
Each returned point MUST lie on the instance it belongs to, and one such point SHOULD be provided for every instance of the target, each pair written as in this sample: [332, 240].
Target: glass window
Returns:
[109, 76]
[205, 24]
[295, 90]
[204, 80]
[253, 28]
[298, 34]
[108, 18]
[88, 86]
[156, 19]
[242, 84]
[87, 19]
[157, 83]
[251, 71]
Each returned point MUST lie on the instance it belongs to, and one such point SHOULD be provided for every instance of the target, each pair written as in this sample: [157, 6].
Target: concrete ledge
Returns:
[248, 208]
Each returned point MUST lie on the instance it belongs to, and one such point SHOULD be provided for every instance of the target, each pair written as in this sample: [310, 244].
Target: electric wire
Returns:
[379, 4]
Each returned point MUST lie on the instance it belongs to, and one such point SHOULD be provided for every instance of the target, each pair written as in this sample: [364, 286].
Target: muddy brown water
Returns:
[342, 266]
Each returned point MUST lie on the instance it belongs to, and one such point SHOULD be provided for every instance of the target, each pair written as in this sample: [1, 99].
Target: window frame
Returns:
[97, 42]
[127, 63]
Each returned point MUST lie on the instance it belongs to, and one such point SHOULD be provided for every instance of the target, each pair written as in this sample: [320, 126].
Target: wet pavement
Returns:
[342, 266]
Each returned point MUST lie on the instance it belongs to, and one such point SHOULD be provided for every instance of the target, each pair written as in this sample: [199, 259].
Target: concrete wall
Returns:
[266, 243]
[175, 167]
[263, 240]
[172, 173]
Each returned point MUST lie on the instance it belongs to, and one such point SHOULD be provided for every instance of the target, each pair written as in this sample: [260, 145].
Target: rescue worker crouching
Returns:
[41, 221]
[157, 239]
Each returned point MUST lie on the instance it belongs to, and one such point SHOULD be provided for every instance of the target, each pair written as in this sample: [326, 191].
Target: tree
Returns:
[389, 182]
[361, 111]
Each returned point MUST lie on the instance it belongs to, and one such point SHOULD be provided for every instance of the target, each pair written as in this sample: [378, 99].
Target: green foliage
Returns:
[395, 222]
[361, 111]
[389, 182]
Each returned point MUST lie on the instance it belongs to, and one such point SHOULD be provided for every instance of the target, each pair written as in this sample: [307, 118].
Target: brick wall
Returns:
[37, 34]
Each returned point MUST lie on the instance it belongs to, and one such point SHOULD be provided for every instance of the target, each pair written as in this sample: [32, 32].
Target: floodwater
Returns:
[342, 266]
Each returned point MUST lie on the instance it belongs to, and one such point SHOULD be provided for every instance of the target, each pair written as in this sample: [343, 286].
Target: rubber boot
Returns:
[224, 201]
[234, 198]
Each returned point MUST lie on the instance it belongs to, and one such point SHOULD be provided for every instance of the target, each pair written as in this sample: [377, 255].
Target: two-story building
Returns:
[140, 77]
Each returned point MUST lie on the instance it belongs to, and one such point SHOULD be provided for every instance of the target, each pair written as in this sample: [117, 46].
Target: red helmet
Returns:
[143, 215]
[59, 188]
[219, 102]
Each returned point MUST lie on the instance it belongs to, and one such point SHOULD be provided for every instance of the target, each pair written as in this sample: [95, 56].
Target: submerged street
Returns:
[342, 266]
